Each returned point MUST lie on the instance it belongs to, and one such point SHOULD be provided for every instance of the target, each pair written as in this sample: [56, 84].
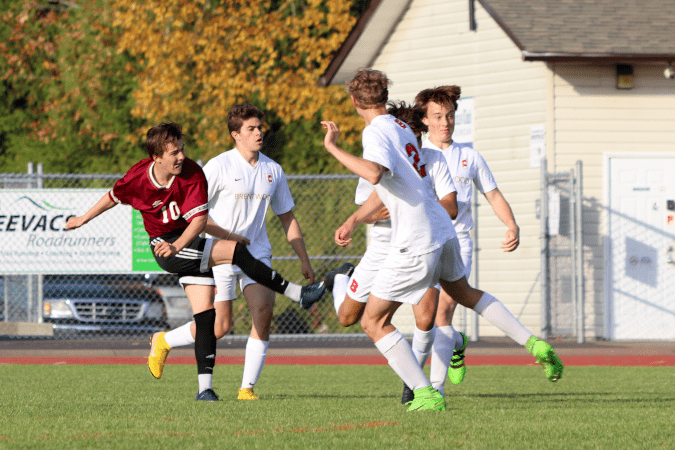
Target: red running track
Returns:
[501, 360]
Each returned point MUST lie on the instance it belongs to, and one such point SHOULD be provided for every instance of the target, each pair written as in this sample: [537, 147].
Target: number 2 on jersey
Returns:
[412, 151]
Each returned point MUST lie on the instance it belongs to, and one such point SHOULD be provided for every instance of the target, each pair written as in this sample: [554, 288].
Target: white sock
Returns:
[496, 313]
[293, 291]
[441, 355]
[400, 357]
[340, 285]
[205, 380]
[178, 337]
[256, 351]
[421, 345]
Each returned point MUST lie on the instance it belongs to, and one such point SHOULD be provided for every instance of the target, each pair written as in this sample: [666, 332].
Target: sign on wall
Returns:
[537, 144]
[464, 122]
[33, 238]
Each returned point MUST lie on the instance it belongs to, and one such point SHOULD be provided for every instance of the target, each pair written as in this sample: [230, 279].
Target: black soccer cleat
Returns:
[345, 269]
[408, 395]
[311, 294]
[207, 395]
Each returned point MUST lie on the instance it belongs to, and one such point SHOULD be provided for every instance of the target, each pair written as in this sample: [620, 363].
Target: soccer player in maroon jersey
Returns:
[170, 191]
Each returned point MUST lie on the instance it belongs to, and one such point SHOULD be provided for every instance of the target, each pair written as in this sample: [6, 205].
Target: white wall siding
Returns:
[431, 46]
[592, 118]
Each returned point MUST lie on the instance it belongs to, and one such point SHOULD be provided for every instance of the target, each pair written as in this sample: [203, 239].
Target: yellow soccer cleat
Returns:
[247, 394]
[159, 350]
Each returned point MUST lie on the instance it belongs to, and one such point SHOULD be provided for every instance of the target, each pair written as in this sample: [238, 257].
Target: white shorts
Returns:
[227, 276]
[466, 252]
[406, 279]
[450, 266]
[361, 282]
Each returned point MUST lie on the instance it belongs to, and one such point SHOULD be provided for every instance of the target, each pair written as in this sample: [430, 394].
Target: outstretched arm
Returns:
[294, 236]
[366, 211]
[368, 170]
[503, 211]
[104, 204]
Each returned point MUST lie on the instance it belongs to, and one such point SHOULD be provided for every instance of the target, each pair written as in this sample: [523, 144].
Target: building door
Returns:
[639, 262]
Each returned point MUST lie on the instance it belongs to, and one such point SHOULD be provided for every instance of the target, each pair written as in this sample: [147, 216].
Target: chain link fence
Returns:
[103, 302]
[562, 253]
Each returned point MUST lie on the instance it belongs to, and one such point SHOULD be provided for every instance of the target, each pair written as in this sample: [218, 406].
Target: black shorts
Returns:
[191, 263]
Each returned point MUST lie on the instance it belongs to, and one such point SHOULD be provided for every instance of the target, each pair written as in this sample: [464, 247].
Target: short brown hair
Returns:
[369, 88]
[442, 95]
[241, 112]
[408, 114]
[160, 136]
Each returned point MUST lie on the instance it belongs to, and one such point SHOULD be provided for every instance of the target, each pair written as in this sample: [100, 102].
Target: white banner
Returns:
[33, 238]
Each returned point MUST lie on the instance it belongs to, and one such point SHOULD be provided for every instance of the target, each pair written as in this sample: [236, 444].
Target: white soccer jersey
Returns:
[240, 193]
[466, 166]
[419, 223]
[437, 168]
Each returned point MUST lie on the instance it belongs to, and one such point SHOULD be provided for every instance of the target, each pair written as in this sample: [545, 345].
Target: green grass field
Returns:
[325, 407]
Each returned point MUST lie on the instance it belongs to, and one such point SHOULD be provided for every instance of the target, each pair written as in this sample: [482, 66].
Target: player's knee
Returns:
[347, 320]
[369, 326]
[220, 329]
[350, 312]
[424, 323]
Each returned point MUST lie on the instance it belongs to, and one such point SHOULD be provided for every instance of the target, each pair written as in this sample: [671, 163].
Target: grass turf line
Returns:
[71, 407]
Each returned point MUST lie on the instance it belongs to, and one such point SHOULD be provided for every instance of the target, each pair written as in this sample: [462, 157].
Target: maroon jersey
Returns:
[165, 209]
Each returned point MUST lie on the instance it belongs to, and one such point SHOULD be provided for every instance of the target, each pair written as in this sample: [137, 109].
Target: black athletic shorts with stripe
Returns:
[191, 263]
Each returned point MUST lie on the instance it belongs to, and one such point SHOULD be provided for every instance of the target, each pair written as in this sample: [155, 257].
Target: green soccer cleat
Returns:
[457, 369]
[546, 356]
[427, 398]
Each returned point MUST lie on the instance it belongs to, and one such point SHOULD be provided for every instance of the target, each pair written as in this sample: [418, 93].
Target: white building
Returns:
[598, 76]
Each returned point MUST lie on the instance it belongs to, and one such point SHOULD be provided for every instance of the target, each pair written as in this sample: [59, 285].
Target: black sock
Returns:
[257, 270]
[205, 341]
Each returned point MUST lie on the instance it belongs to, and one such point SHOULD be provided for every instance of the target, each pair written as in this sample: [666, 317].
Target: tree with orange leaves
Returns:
[66, 91]
[201, 57]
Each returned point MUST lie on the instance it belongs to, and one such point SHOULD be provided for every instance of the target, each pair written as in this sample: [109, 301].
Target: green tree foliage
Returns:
[81, 82]
[66, 91]
[200, 57]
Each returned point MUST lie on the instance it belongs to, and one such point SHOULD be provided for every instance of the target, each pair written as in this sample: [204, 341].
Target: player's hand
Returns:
[332, 133]
[308, 272]
[380, 215]
[165, 250]
[74, 222]
[343, 234]
[511, 240]
[237, 238]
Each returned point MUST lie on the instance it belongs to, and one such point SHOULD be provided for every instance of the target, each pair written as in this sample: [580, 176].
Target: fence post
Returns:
[474, 335]
[40, 277]
[543, 236]
[30, 279]
[573, 249]
[579, 244]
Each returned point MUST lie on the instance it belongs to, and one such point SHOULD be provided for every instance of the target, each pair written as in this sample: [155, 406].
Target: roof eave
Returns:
[606, 57]
[348, 43]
